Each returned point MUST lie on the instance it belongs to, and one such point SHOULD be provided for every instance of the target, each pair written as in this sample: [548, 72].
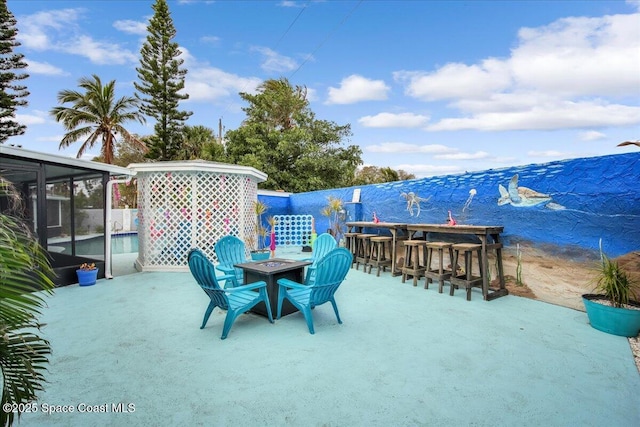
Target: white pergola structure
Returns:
[191, 204]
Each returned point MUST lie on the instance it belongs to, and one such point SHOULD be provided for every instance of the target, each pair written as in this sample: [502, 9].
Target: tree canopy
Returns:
[282, 138]
[376, 175]
[12, 94]
[161, 79]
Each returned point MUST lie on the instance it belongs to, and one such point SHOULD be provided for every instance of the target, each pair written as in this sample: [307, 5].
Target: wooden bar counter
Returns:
[489, 237]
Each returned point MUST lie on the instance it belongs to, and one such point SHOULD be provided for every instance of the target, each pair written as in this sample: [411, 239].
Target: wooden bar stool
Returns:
[362, 249]
[350, 244]
[412, 266]
[380, 253]
[439, 273]
[467, 280]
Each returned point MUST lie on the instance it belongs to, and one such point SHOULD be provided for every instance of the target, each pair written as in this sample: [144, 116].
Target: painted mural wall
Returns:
[570, 204]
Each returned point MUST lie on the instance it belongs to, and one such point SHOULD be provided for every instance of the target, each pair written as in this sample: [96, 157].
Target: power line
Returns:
[290, 26]
[275, 46]
[326, 38]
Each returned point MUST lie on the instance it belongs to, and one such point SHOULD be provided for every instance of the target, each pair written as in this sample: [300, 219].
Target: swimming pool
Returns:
[120, 244]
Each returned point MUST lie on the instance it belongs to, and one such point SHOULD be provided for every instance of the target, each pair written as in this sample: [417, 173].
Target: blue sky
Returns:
[430, 87]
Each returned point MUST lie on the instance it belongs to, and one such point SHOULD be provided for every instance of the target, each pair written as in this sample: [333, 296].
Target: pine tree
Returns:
[12, 95]
[161, 79]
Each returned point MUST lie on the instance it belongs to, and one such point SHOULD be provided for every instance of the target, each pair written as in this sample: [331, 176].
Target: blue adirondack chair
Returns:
[235, 300]
[230, 250]
[324, 244]
[330, 272]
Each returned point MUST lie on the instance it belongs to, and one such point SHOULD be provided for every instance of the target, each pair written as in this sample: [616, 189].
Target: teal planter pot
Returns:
[260, 256]
[617, 321]
[87, 277]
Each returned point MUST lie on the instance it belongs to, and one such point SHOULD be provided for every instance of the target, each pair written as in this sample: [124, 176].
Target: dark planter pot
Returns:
[260, 256]
[87, 277]
[612, 320]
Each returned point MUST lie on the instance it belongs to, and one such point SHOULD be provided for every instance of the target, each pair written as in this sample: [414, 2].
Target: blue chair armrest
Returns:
[227, 269]
[291, 284]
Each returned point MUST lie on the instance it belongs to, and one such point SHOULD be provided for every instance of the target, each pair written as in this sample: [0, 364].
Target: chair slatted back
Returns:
[230, 250]
[205, 274]
[330, 273]
[324, 244]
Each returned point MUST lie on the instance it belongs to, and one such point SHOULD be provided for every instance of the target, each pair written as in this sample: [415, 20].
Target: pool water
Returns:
[120, 244]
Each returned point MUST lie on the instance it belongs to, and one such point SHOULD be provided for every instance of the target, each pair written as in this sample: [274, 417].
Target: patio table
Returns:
[489, 237]
[398, 232]
[270, 271]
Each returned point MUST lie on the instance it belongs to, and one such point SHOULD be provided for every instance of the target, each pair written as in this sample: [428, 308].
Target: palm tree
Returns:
[24, 267]
[195, 139]
[97, 114]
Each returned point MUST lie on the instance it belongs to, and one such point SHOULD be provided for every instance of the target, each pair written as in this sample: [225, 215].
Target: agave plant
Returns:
[24, 268]
[613, 282]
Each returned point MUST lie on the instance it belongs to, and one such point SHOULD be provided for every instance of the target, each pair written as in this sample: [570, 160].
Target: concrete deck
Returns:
[404, 356]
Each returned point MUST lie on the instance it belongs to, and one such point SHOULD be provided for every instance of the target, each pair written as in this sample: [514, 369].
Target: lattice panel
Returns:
[293, 230]
[190, 209]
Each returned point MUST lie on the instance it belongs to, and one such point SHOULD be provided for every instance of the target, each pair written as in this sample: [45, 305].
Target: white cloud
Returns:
[214, 40]
[52, 138]
[463, 156]
[34, 29]
[559, 115]
[356, 88]
[456, 81]
[580, 56]
[100, 52]
[273, 61]
[58, 31]
[290, 3]
[547, 153]
[210, 84]
[30, 119]
[385, 120]
[592, 135]
[573, 73]
[402, 148]
[36, 67]
[131, 27]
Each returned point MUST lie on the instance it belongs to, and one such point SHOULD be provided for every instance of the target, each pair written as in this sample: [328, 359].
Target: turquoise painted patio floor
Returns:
[404, 356]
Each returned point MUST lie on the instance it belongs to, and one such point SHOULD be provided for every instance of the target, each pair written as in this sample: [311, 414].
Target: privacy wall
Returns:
[570, 204]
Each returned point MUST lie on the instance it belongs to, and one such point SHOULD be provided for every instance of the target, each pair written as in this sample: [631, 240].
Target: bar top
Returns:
[376, 224]
[445, 228]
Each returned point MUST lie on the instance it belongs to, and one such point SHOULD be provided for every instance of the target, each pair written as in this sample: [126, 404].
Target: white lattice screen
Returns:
[293, 230]
[180, 210]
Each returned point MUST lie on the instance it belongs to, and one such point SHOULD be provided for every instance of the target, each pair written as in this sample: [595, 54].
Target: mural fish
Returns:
[524, 197]
[413, 201]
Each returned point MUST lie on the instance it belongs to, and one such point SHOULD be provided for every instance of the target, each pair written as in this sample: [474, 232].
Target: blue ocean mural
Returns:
[570, 203]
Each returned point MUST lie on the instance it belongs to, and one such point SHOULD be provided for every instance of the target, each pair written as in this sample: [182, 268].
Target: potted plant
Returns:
[87, 274]
[613, 308]
[257, 244]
